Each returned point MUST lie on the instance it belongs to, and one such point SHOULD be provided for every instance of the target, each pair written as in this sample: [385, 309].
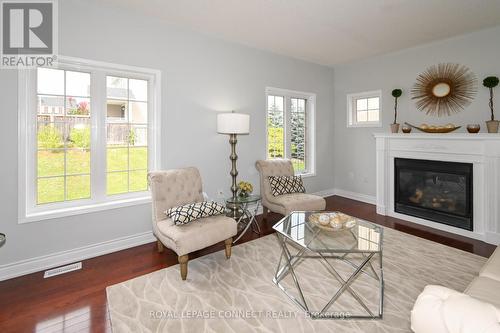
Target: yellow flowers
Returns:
[245, 188]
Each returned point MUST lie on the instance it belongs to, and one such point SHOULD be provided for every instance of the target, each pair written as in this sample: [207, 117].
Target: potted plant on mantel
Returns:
[491, 82]
[396, 93]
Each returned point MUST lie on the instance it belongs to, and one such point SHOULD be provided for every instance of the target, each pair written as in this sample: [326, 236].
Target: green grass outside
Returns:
[298, 165]
[51, 163]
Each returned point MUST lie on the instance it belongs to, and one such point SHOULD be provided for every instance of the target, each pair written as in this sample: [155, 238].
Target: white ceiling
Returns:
[327, 32]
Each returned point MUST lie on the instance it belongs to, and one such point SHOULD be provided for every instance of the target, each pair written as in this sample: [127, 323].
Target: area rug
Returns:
[238, 295]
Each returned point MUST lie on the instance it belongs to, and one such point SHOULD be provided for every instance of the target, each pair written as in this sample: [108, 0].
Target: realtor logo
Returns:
[28, 33]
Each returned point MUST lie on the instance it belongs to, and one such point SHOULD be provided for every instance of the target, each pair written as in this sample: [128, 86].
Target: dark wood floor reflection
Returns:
[76, 302]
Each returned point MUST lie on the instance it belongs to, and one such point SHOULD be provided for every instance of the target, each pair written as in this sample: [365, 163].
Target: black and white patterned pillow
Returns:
[188, 213]
[286, 184]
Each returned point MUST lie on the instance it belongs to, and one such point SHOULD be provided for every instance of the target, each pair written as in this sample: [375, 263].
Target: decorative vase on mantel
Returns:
[394, 128]
[492, 126]
[491, 82]
[396, 93]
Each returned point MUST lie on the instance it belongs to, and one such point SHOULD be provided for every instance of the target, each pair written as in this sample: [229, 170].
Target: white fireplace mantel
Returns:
[482, 150]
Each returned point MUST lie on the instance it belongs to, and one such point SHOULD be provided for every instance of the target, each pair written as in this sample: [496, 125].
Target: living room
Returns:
[311, 138]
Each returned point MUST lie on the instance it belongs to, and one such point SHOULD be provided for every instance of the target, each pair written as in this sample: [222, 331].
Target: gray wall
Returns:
[354, 148]
[201, 76]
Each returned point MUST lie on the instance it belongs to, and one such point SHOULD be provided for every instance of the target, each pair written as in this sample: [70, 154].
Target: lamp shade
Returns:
[233, 123]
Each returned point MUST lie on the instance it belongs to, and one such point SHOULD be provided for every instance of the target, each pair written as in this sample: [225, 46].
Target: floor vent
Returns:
[62, 270]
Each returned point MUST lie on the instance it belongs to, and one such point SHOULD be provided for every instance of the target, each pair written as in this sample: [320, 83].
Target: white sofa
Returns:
[477, 310]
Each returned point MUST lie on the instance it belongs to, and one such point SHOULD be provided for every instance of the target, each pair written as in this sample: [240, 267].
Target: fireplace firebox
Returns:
[434, 190]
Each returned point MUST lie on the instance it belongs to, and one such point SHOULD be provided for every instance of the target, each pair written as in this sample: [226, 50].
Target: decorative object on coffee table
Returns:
[491, 82]
[396, 93]
[473, 128]
[233, 124]
[406, 129]
[2, 239]
[332, 221]
[444, 89]
[435, 129]
[244, 189]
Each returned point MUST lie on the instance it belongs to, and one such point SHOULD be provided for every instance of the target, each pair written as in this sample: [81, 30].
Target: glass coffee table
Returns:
[359, 247]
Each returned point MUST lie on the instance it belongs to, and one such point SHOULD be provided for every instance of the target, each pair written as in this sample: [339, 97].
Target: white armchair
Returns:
[179, 187]
[286, 203]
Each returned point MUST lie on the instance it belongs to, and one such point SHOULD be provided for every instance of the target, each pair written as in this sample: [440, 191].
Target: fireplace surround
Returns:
[481, 152]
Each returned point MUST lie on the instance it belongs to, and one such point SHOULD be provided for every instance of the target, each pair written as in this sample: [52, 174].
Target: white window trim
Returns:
[351, 122]
[28, 211]
[310, 125]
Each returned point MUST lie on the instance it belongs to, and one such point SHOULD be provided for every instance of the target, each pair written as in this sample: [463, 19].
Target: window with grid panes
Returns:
[290, 116]
[63, 135]
[126, 135]
[364, 109]
[88, 137]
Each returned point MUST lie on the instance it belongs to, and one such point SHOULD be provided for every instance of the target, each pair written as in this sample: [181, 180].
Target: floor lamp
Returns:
[233, 124]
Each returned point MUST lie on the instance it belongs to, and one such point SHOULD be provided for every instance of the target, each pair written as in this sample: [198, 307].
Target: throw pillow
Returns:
[286, 184]
[188, 213]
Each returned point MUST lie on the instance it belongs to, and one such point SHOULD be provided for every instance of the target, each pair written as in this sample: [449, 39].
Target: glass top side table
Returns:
[249, 206]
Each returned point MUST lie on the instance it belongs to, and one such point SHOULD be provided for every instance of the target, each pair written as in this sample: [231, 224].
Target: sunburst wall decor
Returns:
[444, 89]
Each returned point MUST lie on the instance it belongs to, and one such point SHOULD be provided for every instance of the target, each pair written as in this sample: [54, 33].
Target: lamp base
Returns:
[234, 210]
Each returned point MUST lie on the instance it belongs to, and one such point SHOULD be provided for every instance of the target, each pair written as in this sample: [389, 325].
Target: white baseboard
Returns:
[370, 199]
[326, 193]
[492, 238]
[41, 263]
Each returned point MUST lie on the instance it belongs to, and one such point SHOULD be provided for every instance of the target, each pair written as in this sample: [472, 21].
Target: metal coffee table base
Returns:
[365, 267]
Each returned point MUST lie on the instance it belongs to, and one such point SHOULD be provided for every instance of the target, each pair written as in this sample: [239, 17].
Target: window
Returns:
[364, 109]
[63, 135]
[290, 128]
[126, 135]
[88, 137]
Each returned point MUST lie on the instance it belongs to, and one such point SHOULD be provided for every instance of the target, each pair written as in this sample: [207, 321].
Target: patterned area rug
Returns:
[238, 295]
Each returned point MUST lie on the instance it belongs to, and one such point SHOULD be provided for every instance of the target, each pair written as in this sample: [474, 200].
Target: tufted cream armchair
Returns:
[286, 203]
[179, 187]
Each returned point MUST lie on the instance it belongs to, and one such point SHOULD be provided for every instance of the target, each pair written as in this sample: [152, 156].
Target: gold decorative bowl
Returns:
[334, 221]
[436, 129]
[473, 128]
[406, 129]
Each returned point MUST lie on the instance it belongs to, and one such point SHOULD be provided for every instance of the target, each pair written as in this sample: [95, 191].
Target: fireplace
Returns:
[434, 190]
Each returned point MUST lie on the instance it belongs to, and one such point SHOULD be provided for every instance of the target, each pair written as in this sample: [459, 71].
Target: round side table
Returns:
[249, 206]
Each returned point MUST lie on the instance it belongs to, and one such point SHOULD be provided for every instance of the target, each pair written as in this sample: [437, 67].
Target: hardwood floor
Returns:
[76, 301]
